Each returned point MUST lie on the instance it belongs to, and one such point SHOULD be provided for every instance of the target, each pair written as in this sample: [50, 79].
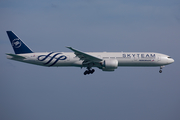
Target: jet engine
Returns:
[109, 65]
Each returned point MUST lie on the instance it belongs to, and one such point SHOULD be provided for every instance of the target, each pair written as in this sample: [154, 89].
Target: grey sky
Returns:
[34, 92]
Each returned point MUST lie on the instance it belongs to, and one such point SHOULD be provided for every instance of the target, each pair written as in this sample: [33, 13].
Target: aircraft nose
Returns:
[171, 60]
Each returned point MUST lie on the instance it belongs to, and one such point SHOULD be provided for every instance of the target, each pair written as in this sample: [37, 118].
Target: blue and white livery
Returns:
[106, 61]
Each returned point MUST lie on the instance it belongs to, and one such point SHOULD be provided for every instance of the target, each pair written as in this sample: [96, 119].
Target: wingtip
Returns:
[69, 47]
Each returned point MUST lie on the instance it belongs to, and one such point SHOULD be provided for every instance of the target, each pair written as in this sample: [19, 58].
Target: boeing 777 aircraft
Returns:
[106, 61]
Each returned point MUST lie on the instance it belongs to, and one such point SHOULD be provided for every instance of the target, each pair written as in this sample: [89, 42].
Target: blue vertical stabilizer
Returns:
[18, 45]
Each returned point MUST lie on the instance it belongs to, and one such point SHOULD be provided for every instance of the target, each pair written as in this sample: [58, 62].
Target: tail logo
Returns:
[16, 43]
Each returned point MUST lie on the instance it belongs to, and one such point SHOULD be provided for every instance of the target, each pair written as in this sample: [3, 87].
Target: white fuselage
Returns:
[70, 59]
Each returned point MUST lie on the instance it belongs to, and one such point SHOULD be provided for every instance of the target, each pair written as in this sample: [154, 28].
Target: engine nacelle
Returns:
[110, 65]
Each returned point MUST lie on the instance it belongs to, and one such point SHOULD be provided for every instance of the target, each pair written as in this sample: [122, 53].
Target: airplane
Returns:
[106, 61]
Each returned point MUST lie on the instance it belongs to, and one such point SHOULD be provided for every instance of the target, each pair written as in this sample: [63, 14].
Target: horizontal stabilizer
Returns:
[15, 56]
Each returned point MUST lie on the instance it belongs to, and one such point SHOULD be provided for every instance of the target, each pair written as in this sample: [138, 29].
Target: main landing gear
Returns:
[161, 67]
[89, 71]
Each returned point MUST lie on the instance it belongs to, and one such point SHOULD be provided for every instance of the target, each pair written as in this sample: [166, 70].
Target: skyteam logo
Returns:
[16, 43]
[52, 58]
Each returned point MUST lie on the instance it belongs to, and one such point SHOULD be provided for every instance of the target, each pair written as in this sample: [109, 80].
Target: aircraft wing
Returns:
[84, 56]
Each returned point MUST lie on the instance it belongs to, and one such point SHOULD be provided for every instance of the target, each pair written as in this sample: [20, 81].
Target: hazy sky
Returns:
[30, 92]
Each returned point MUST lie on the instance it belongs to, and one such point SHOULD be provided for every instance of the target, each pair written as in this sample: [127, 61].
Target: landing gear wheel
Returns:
[89, 71]
[92, 71]
[86, 72]
[161, 67]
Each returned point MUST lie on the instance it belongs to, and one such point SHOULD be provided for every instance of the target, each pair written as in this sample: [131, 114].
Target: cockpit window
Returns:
[169, 57]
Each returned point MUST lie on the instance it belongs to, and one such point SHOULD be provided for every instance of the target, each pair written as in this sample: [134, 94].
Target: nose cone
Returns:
[171, 61]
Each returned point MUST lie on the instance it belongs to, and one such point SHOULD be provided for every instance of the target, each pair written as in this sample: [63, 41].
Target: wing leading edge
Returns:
[84, 56]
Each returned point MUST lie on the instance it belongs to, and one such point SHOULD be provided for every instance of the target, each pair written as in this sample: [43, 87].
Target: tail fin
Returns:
[17, 44]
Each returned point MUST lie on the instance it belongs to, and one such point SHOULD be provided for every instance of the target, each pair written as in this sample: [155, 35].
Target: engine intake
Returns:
[110, 65]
